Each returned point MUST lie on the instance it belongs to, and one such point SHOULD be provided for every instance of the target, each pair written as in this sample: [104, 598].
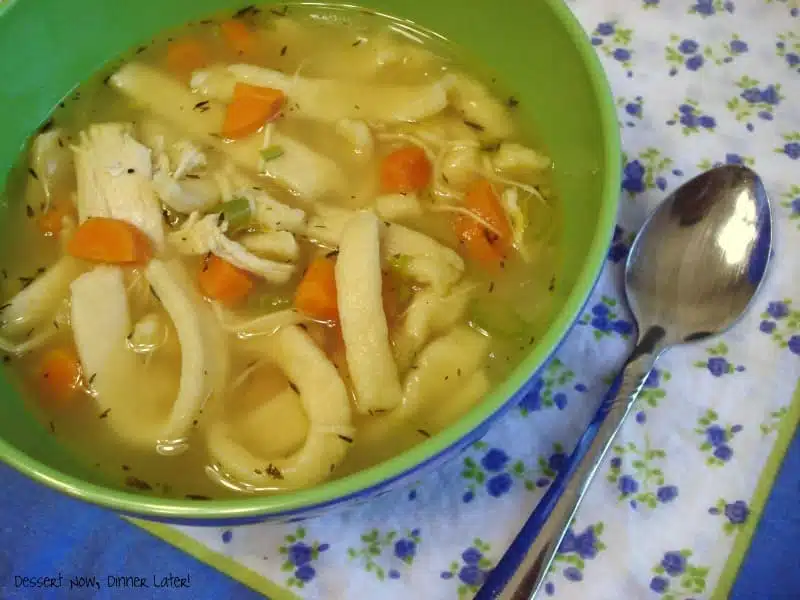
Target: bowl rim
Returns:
[382, 475]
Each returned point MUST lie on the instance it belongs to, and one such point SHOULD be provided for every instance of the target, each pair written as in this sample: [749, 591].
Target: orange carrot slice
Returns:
[60, 375]
[105, 240]
[186, 55]
[405, 170]
[51, 222]
[316, 293]
[238, 37]
[251, 107]
[220, 280]
[482, 244]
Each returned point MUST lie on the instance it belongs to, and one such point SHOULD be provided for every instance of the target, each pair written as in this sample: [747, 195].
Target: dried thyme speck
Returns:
[283, 50]
[91, 380]
[29, 211]
[294, 387]
[6, 359]
[512, 102]
[32, 173]
[131, 171]
[46, 126]
[344, 438]
[332, 468]
[126, 468]
[202, 106]
[491, 287]
[52, 427]
[358, 42]
[423, 433]
[137, 483]
[196, 497]
[458, 371]
[5, 306]
[332, 254]
[473, 125]
[531, 341]
[273, 471]
[552, 285]
[104, 414]
[248, 11]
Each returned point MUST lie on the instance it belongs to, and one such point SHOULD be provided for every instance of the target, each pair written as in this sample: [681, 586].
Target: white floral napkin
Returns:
[697, 82]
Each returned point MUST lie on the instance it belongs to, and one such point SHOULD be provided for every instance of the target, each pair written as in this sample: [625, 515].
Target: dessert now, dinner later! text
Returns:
[119, 581]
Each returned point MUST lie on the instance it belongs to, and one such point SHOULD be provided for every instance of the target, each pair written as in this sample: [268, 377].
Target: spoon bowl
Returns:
[701, 256]
[692, 272]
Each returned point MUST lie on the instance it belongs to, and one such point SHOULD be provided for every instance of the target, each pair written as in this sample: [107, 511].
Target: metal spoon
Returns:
[692, 271]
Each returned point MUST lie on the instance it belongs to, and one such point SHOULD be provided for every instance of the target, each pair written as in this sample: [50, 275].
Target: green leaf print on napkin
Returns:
[716, 439]
[300, 558]
[791, 200]
[471, 570]
[736, 514]
[782, 324]
[636, 478]
[775, 420]
[675, 576]
[717, 364]
[403, 548]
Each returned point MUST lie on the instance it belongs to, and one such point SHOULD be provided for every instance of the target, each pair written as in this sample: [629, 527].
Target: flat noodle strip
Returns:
[326, 404]
[364, 329]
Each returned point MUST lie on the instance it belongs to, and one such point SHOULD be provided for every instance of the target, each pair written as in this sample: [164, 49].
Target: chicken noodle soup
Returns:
[273, 248]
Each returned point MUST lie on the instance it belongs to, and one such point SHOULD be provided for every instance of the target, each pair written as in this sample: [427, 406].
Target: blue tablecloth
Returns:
[43, 534]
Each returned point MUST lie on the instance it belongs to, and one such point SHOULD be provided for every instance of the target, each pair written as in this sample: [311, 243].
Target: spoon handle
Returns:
[515, 579]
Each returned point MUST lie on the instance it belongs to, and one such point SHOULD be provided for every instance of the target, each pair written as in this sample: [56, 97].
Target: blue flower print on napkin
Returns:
[574, 551]
[735, 513]
[471, 570]
[788, 48]
[717, 364]
[692, 119]
[791, 201]
[709, 8]
[615, 42]
[676, 577]
[605, 321]
[637, 479]
[646, 172]
[716, 438]
[375, 543]
[299, 558]
[782, 324]
[791, 145]
[620, 245]
[548, 389]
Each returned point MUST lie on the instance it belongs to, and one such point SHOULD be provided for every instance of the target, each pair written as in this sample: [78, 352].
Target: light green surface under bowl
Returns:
[534, 47]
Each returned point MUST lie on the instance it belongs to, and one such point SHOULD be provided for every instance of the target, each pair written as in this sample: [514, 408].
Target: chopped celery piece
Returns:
[269, 302]
[236, 213]
[399, 264]
[271, 152]
[505, 323]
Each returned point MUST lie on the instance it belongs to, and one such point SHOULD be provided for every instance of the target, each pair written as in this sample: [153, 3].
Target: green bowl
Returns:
[534, 47]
